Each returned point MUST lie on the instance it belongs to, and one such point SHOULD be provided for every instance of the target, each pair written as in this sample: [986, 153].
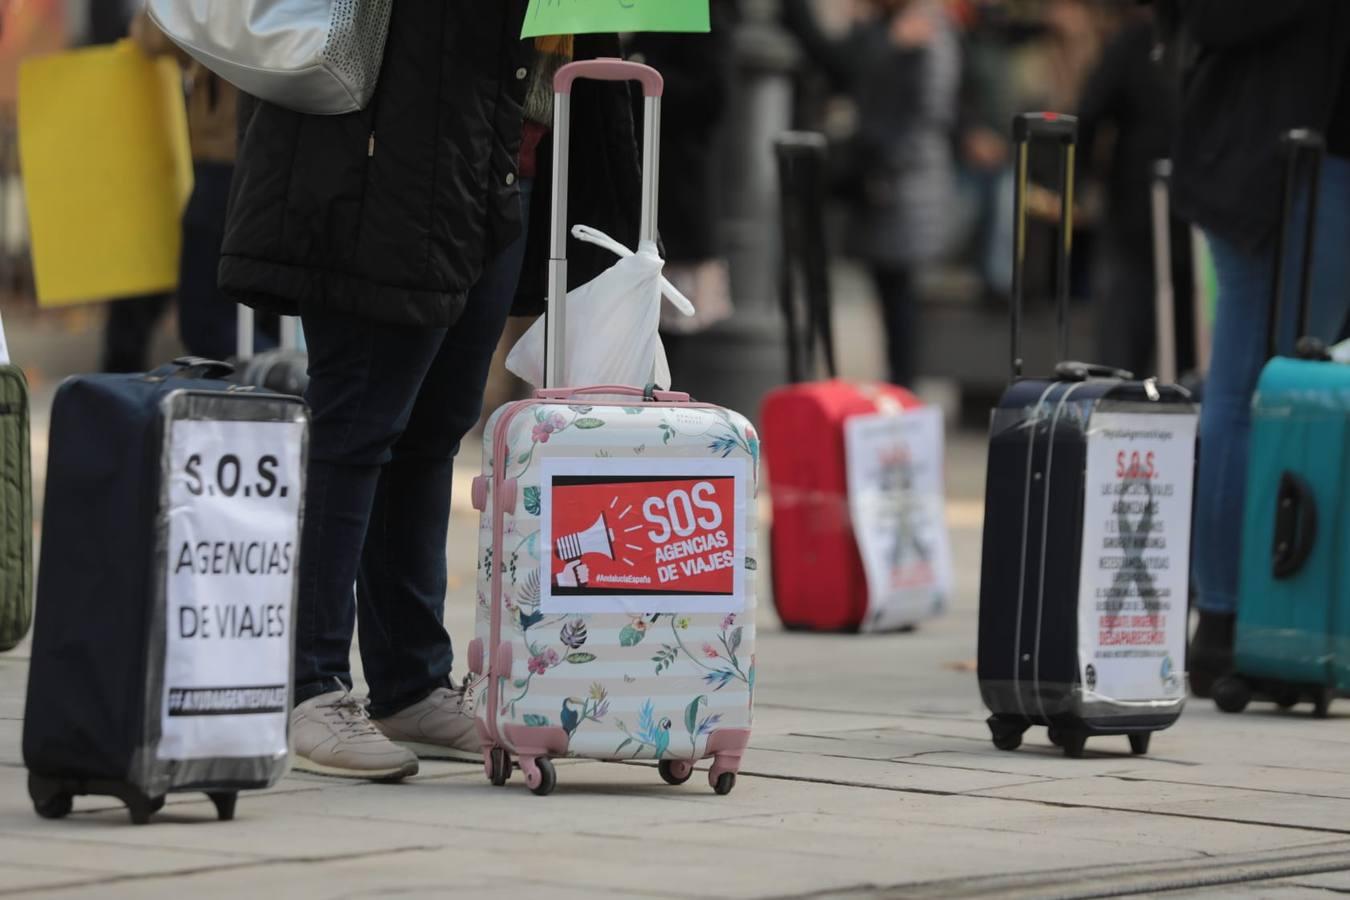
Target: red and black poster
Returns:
[643, 536]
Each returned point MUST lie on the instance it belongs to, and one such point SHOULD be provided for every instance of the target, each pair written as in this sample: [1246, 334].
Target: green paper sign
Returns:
[547, 17]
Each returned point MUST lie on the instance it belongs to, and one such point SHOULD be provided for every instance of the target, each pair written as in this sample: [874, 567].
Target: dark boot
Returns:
[1211, 653]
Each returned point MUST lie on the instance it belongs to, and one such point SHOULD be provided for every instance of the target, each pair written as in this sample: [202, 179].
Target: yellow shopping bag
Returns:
[103, 144]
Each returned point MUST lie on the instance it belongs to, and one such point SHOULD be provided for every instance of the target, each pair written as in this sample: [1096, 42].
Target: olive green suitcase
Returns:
[16, 505]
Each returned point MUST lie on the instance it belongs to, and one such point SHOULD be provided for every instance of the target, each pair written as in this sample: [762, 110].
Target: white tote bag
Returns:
[313, 56]
[612, 323]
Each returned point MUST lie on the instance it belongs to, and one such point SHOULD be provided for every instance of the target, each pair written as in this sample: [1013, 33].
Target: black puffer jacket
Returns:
[1252, 70]
[390, 213]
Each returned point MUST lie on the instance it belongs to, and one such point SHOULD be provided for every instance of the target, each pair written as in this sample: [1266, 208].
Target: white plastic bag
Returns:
[612, 322]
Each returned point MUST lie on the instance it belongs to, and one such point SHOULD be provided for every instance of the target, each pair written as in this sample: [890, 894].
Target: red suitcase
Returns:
[819, 578]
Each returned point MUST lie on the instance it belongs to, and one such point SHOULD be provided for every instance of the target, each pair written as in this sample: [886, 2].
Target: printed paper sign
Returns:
[643, 536]
[545, 17]
[234, 503]
[1135, 577]
[896, 502]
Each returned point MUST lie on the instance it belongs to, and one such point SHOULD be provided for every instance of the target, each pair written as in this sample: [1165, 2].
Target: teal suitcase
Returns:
[16, 508]
[1292, 639]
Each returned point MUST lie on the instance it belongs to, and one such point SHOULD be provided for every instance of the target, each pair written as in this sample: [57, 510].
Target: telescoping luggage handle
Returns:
[291, 333]
[653, 86]
[1298, 143]
[801, 181]
[1063, 130]
[1166, 292]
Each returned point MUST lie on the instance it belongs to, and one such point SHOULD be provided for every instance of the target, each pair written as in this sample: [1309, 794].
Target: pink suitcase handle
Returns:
[567, 393]
[609, 69]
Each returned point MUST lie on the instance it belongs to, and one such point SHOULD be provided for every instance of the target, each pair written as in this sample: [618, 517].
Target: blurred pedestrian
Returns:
[1253, 69]
[987, 105]
[698, 69]
[398, 234]
[1130, 94]
[207, 321]
[901, 64]
[132, 320]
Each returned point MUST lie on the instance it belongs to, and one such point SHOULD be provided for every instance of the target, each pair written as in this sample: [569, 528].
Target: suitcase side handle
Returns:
[1063, 130]
[1295, 526]
[649, 394]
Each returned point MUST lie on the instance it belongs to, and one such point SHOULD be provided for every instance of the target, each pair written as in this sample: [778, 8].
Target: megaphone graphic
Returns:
[596, 539]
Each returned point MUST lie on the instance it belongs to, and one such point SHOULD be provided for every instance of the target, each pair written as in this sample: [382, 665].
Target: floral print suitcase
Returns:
[616, 571]
[642, 669]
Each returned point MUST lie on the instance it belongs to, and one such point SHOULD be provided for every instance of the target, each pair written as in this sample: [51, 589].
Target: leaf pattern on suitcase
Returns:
[621, 685]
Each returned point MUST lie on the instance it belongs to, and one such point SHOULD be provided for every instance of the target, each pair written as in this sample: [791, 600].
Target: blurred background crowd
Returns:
[915, 98]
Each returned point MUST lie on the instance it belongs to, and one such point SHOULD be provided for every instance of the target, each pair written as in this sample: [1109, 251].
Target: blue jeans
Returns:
[390, 405]
[1240, 351]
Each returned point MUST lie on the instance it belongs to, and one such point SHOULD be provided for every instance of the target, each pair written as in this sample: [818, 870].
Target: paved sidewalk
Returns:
[871, 774]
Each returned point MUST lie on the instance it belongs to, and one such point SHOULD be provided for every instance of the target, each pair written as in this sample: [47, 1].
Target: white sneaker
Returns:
[333, 735]
[439, 727]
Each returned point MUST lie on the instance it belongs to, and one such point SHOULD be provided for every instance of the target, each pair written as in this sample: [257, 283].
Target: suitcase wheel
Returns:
[1006, 735]
[1139, 742]
[1074, 743]
[724, 783]
[1232, 693]
[540, 776]
[1056, 736]
[675, 771]
[224, 801]
[1322, 698]
[141, 808]
[499, 766]
[1287, 697]
[49, 800]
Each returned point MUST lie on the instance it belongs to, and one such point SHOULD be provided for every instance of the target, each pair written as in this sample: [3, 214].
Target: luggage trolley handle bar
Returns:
[653, 86]
[1297, 143]
[1164, 292]
[1063, 130]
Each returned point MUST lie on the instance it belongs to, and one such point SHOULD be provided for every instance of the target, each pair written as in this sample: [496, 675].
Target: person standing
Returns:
[1253, 70]
[397, 235]
[901, 63]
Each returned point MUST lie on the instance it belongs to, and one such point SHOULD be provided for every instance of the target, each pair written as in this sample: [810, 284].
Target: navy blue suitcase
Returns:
[1078, 608]
[105, 708]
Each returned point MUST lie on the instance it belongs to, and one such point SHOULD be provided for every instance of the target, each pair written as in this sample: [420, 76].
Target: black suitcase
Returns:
[162, 644]
[1085, 571]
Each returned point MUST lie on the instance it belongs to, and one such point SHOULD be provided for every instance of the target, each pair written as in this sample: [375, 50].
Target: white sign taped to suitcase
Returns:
[233, 540]
[1134, 581]
[896, 503]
